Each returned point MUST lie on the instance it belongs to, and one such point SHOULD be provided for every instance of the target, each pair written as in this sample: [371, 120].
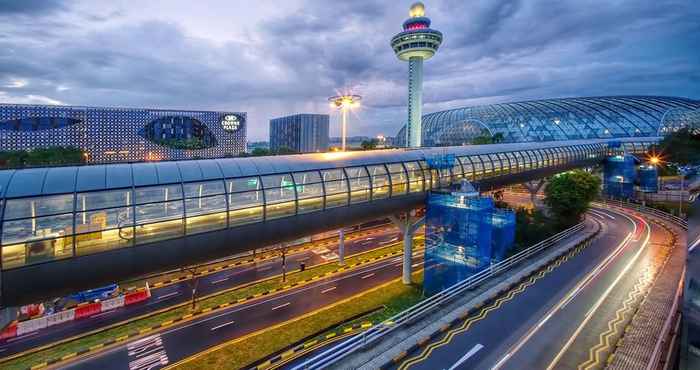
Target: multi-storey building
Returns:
[303, 133]
[123, 134]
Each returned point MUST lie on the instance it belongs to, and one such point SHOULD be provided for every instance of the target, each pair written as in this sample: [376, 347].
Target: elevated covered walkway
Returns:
[70, 228]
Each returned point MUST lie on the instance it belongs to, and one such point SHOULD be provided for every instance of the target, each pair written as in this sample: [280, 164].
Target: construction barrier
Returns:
[112, 303]
[82, 311]
[86, 310]
[29, 326]
[60, 317]
[137, 296]
[9, 332]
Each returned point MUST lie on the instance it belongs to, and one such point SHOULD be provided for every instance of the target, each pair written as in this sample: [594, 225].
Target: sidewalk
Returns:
[648, 328]
[403, 340]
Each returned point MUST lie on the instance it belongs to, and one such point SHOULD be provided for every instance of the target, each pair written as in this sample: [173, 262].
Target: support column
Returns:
[408, 227]
[534, 187]
[415, 102]
[341, 246]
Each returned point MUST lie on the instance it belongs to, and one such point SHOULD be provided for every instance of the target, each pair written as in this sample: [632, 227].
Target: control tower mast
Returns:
[416, 43]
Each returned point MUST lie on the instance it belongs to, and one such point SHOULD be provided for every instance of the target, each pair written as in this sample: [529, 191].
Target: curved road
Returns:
[554, 322]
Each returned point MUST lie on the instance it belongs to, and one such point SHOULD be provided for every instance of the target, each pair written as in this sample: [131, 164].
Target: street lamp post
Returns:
[344, 102]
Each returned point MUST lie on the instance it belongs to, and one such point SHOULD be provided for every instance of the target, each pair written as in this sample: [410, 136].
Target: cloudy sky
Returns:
[272, 58]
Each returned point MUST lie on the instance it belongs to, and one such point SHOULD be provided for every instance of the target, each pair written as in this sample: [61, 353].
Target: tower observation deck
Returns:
[417, 42]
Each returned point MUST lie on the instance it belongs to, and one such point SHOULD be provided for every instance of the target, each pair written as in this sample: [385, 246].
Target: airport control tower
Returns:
[416, 43]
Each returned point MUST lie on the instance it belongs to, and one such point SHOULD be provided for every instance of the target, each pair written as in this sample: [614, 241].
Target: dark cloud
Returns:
[30, 7]
[493, 51]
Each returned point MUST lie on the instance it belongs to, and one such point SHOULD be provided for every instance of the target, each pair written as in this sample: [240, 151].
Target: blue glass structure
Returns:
[559, 119]
[503, 222]
[620, 175]
[123, 134]
[457, 239]
[648, 179]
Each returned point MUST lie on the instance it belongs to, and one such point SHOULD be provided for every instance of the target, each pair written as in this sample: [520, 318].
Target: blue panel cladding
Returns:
[503, 230]
[458, 238]
[620, 175]
[648, 179]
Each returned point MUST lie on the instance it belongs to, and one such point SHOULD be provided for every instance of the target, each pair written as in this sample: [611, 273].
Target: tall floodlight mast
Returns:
[344, 102]
[415, 44]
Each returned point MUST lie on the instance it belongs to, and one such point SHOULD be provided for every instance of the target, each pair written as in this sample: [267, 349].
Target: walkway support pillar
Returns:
[534, 187]
[408, 224]
[341, 246]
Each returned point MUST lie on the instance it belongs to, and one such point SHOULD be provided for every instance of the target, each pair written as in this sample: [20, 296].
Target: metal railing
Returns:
[414, 313]
[653, 211]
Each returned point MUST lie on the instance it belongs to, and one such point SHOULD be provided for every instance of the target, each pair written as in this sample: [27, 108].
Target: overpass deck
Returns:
[75, 227]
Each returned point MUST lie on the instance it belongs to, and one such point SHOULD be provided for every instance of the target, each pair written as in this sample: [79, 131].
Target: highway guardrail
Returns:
[653, 211]
[356, 343]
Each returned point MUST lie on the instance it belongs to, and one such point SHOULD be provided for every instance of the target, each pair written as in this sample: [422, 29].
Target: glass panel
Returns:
[310, 177]
[488, 166]
[310, 197]
[205, 213]
[202, 189]
[430, 180]
[359, 184]
[478, 167]
[157, 194]
[35, 240]
[159, 221]
[245, 200]
[467, 167]
[105, 229]
[380, 182]
[279, 196]
[336, 188]
[497, 166]
[415, 177]
[457, 171]
[39, 206]
[398, 179]
[517, 163]
[103, 199]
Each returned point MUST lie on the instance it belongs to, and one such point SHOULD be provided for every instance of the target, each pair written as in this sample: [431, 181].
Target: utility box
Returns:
[620, 175]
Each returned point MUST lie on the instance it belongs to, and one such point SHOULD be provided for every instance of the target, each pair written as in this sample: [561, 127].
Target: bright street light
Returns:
[344, 103]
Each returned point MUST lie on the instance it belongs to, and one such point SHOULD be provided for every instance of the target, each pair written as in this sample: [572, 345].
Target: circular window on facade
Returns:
[179, 132]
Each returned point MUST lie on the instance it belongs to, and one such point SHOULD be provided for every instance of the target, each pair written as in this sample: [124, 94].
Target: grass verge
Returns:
[230, 295]
[241, 352]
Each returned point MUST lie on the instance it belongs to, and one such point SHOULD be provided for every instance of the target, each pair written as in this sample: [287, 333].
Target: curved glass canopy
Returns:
[553, 119]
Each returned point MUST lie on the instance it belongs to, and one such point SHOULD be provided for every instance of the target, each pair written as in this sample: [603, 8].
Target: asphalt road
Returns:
[558, 317]
[195, 336]
[323, 251]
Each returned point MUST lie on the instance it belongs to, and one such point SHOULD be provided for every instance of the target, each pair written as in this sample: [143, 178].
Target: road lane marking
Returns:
[504, 359]
[329, 289]
[371, 267]
[149, 353]
[281, 306]
[367, 276]
[104, 313]
[219, 281]
[532, 331]
[417, 264]
[303, 259]
[694, 245]
[398, 265]
[466, 356]
[604, 296]
[222, 325]
[265, 268]
[23, 336]
[173, 294]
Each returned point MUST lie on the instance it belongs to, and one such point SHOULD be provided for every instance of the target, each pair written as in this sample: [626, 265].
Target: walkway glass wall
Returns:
[45, 228]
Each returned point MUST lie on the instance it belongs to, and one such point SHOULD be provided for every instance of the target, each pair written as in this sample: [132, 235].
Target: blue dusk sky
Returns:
[272, 58]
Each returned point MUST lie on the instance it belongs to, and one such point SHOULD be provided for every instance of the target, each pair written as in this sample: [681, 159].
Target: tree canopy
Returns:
[681, 147]
[49, 156]
[568, 195]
